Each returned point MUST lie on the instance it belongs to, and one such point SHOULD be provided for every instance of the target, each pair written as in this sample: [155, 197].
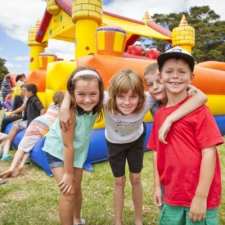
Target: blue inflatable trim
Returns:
[97, 150]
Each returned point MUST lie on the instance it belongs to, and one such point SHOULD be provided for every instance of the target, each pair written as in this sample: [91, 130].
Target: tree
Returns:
[209, 29]
[3, 69]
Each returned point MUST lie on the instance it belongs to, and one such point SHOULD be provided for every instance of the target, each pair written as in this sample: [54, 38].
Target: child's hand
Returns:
[164, 129]
[191, 90]
[65, 119]
[198, 208]
[158, 196]
[66, 183]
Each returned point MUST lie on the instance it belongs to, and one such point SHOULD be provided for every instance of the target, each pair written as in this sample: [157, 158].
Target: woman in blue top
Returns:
[66, 158]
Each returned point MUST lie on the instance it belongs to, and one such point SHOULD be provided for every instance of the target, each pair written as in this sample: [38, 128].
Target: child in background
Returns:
[67, 150]
[6, 86]
[125, 106]
[32, 108]
[188, 168]
[8, 102]
[17, 109]
[36, 130]
[17, 90]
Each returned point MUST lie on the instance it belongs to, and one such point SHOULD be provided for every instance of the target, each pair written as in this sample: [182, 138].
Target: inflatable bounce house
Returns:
[101, 41]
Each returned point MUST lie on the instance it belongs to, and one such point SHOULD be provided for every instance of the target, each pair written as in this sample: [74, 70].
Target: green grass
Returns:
[32, 199]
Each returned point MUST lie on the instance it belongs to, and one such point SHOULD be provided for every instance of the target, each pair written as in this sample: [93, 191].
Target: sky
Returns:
[18, 16]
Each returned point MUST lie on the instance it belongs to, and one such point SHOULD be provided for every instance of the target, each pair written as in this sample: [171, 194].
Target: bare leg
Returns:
[78, 194]
[5, 147]
[18, 169]
[119, 199]
[8, 141]
[66, 201]
[14, 165]
[137, 194]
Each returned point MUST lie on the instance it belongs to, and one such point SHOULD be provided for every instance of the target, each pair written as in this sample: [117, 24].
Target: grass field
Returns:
[32, 198]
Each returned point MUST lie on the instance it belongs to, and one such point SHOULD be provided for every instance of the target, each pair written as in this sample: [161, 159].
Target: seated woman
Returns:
[35, 131]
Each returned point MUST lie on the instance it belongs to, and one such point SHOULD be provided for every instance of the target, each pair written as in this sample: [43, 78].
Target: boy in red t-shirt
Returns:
[188, 169]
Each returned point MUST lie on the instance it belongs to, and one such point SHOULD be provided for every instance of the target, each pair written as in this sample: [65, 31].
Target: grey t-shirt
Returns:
[123, 129]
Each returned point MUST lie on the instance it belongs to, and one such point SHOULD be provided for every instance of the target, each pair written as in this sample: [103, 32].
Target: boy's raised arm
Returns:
[198, 98]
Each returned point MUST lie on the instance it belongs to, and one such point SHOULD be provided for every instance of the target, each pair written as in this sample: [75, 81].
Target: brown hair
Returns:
[122, 82]
[58, 98]
[151, 68]
[71, 86]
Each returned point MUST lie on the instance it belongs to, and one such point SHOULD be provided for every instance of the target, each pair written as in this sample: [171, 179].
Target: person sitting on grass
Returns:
[34, 132]
[32, 109]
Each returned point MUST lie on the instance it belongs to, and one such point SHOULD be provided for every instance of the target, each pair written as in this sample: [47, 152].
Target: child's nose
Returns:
[87, 99]
[174, 74]
[155, 85]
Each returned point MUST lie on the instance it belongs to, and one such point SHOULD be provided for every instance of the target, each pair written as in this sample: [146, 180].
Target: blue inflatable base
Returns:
[97, 150]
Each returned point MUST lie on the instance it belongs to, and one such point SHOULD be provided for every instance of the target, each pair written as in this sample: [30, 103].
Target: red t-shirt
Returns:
[179, 161]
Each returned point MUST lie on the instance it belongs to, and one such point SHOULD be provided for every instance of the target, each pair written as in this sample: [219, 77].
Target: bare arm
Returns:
[42, 111]
[157, 186]
[198, 98]
[67, 180]
[64, 112]
[18, 110]
[207, 171]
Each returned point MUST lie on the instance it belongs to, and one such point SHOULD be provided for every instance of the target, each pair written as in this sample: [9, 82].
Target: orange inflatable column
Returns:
[111, 41]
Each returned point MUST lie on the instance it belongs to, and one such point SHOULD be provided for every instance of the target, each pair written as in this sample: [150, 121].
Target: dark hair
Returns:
[71, 85]
[31, 88]
[19, 76]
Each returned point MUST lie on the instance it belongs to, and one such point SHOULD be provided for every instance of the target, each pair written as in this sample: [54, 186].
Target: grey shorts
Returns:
[53, 162]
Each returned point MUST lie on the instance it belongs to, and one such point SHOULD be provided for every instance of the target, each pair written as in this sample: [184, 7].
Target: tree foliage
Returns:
[3, 69]
[209, 29]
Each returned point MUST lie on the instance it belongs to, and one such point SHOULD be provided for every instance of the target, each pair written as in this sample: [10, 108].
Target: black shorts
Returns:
[133, 152]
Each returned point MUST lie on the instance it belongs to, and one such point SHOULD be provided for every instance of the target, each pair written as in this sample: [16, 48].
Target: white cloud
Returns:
[17, 16]
[24, 58]
[135, 9]
[14, 67]
[62, 49]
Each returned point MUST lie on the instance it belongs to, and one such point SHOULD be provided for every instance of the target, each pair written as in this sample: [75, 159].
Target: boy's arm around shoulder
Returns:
[197, 99]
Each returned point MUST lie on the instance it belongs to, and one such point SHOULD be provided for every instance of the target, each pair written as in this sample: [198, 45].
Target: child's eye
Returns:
[149, 84]
[81, 94]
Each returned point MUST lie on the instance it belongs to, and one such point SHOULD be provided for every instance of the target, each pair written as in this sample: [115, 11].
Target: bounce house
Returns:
[101, 41]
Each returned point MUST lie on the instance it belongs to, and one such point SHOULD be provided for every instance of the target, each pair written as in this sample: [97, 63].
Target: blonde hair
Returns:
[123, 82]
[151, 68]
[58, 98]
